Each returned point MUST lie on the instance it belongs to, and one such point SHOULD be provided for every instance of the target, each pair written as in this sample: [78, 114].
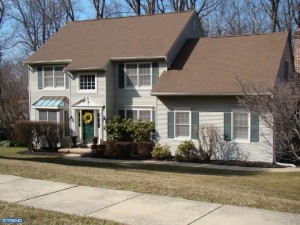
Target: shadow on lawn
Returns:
[119, 166]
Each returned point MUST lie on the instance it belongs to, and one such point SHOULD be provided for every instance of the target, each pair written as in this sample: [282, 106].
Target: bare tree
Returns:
[68, 6]
[37, 21]
[99, 6]
[13, 94]
[2, 9]
[278, 109]
[134, 5]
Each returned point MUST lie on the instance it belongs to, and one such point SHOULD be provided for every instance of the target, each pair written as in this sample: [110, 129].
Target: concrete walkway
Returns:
[132, 207]
[173, 163]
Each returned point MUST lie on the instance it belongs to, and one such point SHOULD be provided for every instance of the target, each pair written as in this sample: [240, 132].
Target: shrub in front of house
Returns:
[118, 129]
[34, 134]
[161, 152]
[186, 152]
[125, 134]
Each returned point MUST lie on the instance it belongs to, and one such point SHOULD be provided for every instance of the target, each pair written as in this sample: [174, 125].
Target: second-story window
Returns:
[54, 77]
[138, 75]
[87, 82]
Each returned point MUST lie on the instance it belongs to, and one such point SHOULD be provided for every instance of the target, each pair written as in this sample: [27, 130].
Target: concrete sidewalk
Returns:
[174, 163]
[132, 207]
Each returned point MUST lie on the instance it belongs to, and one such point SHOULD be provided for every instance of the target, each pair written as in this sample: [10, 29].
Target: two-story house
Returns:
[159, 68]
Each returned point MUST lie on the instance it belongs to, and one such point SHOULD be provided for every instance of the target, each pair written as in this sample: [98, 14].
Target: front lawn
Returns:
[32, 216]
[275, 191]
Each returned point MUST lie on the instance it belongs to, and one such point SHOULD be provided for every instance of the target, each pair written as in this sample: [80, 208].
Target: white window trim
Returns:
[87, 91]
[57, 115]
[241, 141]
[54, 88]
[180, 138]
[138, 111]
[136, 87]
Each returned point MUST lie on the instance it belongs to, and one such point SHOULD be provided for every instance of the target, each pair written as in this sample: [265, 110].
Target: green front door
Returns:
[88, 126]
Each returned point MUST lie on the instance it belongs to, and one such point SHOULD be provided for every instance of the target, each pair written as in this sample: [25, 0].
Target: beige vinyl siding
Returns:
[211, 111]
[99, 96]
[188, 32]
[110, 78]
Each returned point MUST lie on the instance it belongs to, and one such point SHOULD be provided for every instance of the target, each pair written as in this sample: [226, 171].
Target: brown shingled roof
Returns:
[91, 44]
[211, 65]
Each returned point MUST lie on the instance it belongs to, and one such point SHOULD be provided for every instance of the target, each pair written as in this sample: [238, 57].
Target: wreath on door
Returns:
[87, 118]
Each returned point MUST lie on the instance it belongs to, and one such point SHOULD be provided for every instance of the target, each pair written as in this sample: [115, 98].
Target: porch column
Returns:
[73, 123]
[101, 124]
[80, 128]
[95, 123]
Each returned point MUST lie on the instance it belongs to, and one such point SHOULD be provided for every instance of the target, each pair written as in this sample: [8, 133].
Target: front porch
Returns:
[87, 120]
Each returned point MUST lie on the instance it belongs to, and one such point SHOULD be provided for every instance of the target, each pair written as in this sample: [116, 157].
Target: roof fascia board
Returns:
[202, 94]
[137, 58]
[85, 69]
[62, 61]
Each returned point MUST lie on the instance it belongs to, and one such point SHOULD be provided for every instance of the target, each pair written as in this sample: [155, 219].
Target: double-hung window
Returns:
[48, 116]
[135, 114]
[182, 124]
[87, 83]
[54, 77]
[241, 126]
[138, 75]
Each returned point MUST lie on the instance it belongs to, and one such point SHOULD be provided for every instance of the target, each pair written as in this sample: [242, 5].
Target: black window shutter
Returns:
[122, 114]
[254, 133]
[153, 116]
[121, 76]
[155, 73]
[227, 126]
[170, 124]
[195, 125]
[40, 77]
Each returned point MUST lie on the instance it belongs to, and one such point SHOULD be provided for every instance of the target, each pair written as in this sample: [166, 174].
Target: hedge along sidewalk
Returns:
[183, 164]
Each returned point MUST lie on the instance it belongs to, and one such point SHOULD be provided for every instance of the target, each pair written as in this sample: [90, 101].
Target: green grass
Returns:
[33, 216]
[275, 191]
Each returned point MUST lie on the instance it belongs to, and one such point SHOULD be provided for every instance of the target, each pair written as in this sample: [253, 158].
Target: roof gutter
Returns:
[62, 61]
[202, 94]
[84, 69]
[137, 58]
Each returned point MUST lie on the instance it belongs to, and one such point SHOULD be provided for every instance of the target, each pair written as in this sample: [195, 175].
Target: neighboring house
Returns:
[159, 68]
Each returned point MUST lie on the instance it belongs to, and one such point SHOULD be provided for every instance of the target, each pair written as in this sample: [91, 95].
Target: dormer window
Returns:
[138, 75]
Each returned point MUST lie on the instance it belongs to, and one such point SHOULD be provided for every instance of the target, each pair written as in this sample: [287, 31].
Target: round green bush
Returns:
[161, 152]
[186, 152]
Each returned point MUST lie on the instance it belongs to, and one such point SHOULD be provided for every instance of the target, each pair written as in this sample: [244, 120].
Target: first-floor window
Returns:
[241, 125]
[48, 116]
[98, 120]
[182, 124]
[135, 114]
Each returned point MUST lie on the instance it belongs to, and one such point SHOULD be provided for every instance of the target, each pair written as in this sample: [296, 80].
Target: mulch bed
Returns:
[41, 152]
[214, 162]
